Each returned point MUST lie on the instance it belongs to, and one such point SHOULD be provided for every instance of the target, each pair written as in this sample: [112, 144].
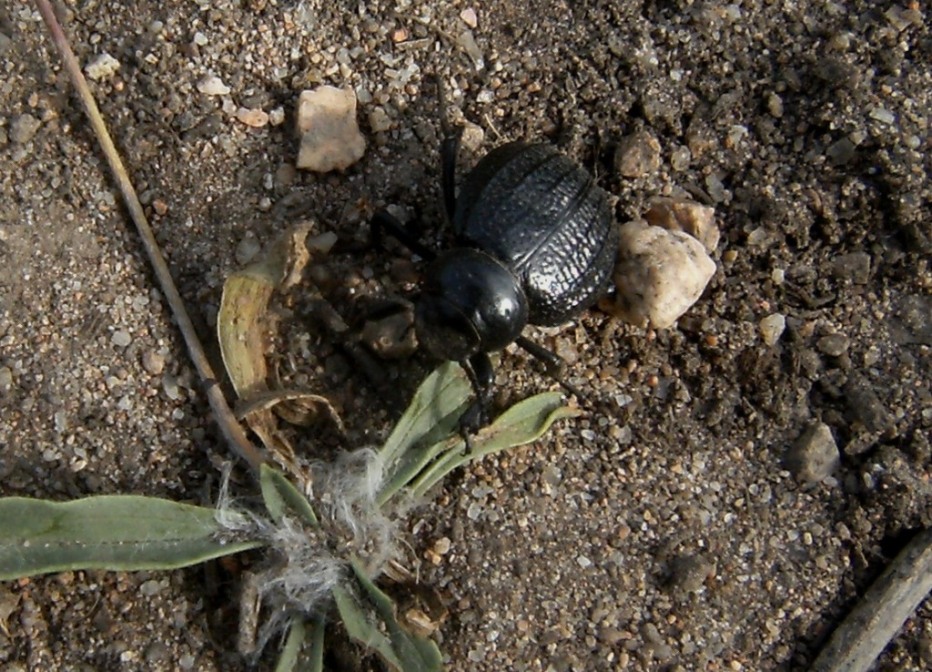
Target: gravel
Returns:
[805, 124]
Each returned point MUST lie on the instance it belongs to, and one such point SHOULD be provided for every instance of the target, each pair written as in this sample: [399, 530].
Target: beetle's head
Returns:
[469, 303]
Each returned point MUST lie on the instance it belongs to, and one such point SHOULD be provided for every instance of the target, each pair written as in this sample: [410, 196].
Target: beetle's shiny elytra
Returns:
[542, 216]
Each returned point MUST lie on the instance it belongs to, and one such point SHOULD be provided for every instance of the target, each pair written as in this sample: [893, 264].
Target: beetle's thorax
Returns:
[470, 303]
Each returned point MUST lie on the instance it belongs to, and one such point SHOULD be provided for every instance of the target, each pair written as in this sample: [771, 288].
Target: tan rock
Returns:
[659, 275]
[680, 214]
[329, 132]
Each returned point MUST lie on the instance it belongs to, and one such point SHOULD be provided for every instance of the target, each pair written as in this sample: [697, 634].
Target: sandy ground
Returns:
[661, 532]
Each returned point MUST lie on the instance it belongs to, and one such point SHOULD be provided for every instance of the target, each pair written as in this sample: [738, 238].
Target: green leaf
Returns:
[433, 413]
[316, 655]
[115, 532]
[523, 423]
[416, 654]
[288, 658]
[360, 625]
[280, 496]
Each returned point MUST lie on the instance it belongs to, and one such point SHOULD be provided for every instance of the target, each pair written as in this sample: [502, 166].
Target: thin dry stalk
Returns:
[230, 428]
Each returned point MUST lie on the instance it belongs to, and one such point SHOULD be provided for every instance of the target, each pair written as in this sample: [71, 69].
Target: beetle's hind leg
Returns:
[384, 222]
[555, 365]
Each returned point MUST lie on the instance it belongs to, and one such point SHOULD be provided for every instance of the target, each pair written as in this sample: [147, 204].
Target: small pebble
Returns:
[171, 387]
[121, 338]
[688, 573]
[379, 121]
[678, 214]
[841, 152]
[442, 546]
[716, 188]
[6, 380]
[637, 155]
[255, 118]
[24, 128]
[775, 105]
[153, 362]
[277, 116]
[213, 86]
[680, 158]
[882, 115]
[473, 136]
[771, 328]
[469, 17]
[150, 588]
[854, 266]
[833, 345]
[102, 67]
[814, 456]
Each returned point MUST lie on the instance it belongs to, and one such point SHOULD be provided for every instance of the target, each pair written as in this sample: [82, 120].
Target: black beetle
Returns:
[535, 243]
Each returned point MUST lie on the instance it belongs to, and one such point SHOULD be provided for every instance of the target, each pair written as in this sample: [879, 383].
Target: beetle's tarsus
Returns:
[481, 376]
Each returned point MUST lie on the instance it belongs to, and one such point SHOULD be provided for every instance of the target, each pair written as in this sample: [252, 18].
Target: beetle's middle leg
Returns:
[555, 365]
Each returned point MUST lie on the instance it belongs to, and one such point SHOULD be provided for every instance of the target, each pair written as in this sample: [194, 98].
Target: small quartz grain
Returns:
[637, 154]
[277, 116]
[379, 121]
[854, 267]
[833, 345]
[6, 380]
[121, 338]
[153, 362]
[255, 118]
[659, 275]
[469, 17]
[24, 128]
[102, 67]
[771, 328]
[213, 86]
[814, 456]
[688, 573]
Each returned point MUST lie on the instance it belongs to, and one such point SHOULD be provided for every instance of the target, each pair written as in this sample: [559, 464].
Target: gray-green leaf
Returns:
[115, 532]
[280, 496]
[360, 624]
[416, 654]
[523, 423]
[433, 413]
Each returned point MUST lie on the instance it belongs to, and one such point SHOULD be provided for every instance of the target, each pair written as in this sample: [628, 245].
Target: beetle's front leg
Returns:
[481, 376]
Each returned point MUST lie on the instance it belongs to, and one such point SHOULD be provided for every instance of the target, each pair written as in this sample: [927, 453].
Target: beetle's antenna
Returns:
[445, 126]
[448, 152]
